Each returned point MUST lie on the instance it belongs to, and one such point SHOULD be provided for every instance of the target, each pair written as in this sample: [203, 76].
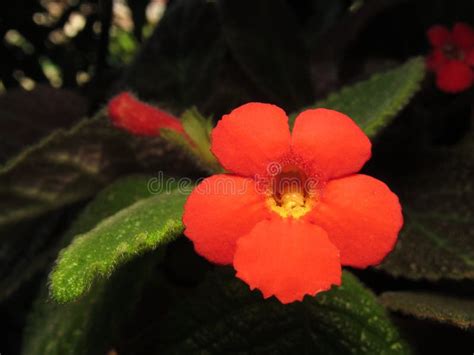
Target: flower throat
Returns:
[288, 196]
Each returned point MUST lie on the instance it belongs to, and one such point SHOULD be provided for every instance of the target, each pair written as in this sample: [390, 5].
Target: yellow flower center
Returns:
[291, 202]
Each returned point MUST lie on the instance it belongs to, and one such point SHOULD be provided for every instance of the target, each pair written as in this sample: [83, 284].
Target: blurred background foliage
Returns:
[61, 42]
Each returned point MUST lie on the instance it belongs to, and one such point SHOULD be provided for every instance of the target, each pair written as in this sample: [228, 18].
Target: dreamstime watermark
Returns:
[274, 180]
[161, 184]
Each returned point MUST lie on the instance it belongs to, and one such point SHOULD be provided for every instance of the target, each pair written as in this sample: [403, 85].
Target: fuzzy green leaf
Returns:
[141, 227]
[427, 305]
[438, 203]
[373, 103]
[90, 325]
[115, 197]
[224, 316]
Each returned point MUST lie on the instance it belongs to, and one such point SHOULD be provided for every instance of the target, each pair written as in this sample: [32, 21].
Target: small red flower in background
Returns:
[293, 208]
[452, 57]
[139, 118]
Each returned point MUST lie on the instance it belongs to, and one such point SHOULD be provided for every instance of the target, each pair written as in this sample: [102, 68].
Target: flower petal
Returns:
[330, 143]
[463, 35]
[221, 209]
[252, 137]
[287, 259]
[454, 76]
[362, 218]
[438, 35]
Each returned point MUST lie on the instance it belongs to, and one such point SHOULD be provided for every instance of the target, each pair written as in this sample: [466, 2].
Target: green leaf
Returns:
[179, 63]
[224, 316]
[63, 168]
[267, 43]
[90, 325]
[438, 203]
[373, 103]
[432, 306]
[141, 227]
[115, 197]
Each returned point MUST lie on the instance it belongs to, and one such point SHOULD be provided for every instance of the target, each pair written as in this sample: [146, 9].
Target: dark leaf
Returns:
[226, 317]
[72, 165]
[28, 116]
[26, 249]
[438, 203]
[432, 306]
[65, 167]
[266, 41]
[179, 63]
[92, 324]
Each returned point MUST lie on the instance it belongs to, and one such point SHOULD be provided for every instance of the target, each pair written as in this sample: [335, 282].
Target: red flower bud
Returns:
[139, 118]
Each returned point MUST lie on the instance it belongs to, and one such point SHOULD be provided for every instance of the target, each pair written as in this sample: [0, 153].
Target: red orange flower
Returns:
[139, 118]
[293, 208]
[452, 56]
